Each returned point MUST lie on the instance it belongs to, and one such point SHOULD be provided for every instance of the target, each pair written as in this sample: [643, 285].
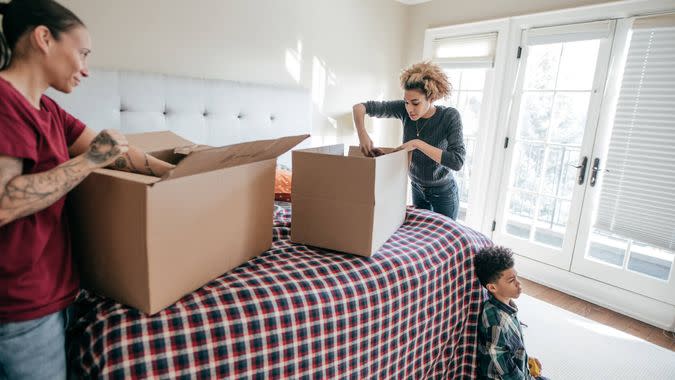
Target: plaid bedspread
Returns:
[409, 311]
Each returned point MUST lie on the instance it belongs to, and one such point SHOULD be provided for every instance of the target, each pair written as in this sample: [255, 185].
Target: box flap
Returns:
[336, 150]
[156, 141]
[355, 151]
[186, 150]
[233, 155]
[133, 177]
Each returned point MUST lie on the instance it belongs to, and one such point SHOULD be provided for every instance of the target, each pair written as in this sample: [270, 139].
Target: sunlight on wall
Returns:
[318, 82]
[376, 127]
[294, 61]
[322, 77]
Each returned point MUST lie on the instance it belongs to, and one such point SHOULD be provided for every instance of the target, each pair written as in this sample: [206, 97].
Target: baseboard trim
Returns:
[631, 304]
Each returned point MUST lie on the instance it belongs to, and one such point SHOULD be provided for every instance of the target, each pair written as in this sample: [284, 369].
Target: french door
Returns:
[552, 126]
[589, 171]
[627, 228]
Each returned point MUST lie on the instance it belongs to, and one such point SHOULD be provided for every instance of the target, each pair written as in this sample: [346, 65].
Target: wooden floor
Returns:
[600, 314]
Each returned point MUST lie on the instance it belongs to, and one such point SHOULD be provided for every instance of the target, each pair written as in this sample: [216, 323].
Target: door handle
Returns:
[582, 170]
[595, 169]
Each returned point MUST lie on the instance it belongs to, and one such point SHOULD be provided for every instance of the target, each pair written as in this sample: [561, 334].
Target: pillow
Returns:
[282, 185]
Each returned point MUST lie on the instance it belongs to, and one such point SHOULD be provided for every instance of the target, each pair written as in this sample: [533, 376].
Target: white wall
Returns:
[345, 51]
[439, 13]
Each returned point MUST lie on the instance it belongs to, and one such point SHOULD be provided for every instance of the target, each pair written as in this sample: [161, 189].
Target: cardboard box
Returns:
[347, 203]
[146, 241]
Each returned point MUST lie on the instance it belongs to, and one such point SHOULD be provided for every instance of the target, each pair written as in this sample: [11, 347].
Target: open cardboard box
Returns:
[146, 241]
[349, 203]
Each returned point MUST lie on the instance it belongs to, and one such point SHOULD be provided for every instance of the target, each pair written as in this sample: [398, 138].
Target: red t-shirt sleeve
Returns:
[16, 138]
[72, 127]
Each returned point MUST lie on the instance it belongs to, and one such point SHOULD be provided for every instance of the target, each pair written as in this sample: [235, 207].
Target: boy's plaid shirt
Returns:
[501, 348]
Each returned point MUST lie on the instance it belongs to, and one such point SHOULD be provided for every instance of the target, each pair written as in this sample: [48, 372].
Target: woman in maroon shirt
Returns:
[44, 153]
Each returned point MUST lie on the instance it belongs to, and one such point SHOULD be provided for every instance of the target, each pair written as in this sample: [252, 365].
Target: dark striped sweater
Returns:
[443, 130]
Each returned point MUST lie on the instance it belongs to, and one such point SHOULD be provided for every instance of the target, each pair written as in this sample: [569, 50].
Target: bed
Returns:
[409, 311]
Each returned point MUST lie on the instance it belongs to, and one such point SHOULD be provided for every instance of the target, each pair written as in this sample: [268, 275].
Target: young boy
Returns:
[501, 350]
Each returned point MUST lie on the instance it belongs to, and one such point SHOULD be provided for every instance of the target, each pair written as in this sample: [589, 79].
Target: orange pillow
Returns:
[282, 185]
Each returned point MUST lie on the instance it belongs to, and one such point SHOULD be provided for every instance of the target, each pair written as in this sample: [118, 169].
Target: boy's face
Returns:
[507, 286]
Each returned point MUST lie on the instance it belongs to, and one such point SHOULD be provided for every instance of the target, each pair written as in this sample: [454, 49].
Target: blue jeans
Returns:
[442, 199]
[34, 349]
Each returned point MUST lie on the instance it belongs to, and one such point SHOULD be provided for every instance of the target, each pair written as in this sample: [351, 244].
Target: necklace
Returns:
[426, 121]
[419, 130]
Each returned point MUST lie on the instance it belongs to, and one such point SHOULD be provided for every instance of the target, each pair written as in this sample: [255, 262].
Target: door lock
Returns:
[595, 169]
[582, 170]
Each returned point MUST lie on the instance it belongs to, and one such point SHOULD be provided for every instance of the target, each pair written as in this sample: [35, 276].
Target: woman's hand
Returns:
[365, 143]
[367, 148]
[428, 150]
[409, 146]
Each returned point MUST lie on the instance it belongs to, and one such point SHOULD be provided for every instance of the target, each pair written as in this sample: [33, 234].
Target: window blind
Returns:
[637, 199]
[473, 51]
[569, 33]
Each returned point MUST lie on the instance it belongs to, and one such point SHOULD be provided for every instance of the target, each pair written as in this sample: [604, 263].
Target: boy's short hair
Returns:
[490, 262]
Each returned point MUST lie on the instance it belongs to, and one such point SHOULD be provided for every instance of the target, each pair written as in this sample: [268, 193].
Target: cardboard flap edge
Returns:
[209, 159]
[156, 141]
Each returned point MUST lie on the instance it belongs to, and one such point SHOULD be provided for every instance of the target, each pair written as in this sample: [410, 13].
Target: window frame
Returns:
[487, 129]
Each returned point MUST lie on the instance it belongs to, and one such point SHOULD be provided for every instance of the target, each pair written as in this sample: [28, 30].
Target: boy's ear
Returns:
[491, 287]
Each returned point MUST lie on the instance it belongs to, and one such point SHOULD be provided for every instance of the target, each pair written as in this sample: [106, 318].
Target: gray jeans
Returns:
[34, 349]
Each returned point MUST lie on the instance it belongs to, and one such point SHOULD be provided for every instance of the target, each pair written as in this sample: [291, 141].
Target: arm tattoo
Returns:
[27, 194]
[121, 163]
[125, 163]
[102, 148]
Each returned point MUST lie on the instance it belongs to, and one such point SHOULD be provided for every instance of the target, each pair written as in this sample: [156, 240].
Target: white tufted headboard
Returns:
[212, 112]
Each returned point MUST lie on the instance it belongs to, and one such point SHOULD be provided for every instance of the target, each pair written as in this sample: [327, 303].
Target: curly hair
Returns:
[490, 262]
[428, 78]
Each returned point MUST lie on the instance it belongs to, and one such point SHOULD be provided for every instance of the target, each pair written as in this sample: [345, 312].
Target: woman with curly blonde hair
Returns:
[432, 132]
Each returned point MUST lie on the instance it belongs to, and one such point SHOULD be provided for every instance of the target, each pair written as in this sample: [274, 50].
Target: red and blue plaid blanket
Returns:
[409, 311]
